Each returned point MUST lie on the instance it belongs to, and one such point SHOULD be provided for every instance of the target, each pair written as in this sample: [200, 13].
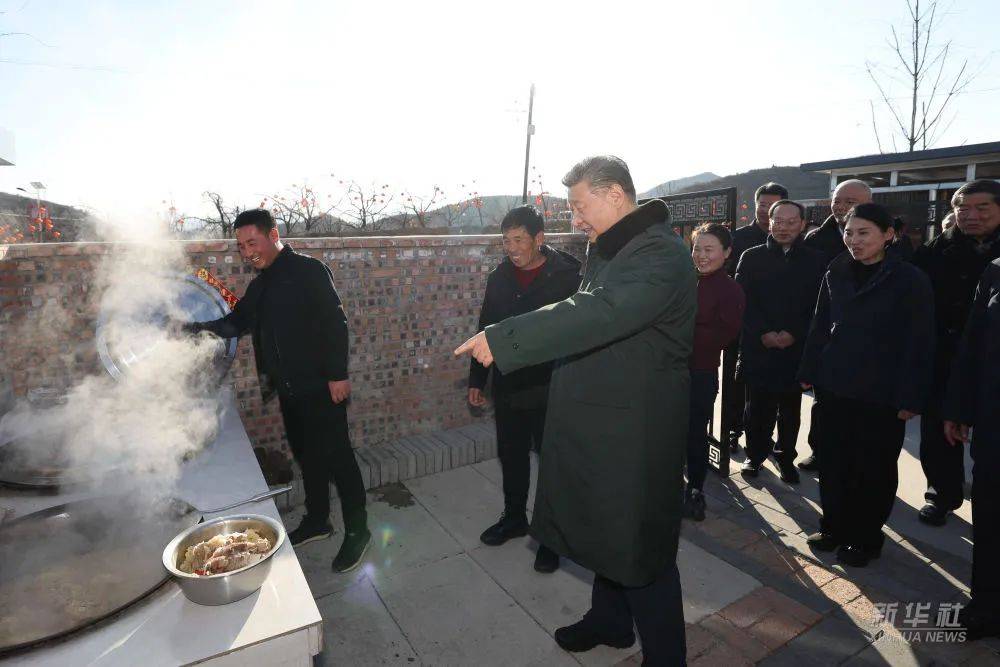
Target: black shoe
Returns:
[750, 469]
[694, 505]
[789, 475]
[582, 637]
[854, 556]
[309, 531]
[352, 551]
[810, 463]
[507, 528]
[822, 542]
[933, 515]
[546, 560]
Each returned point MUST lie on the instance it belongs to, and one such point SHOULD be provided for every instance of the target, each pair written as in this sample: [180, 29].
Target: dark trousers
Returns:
[859, 472]
[656, 609]
[986, 528]
[518, 429]
[765, 408]
[704, 389]
[816, 429]
[734, 395]
[943, 464]
[318, 436]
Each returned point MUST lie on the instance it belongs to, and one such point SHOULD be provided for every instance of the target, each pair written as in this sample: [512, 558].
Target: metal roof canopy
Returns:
[936, 156]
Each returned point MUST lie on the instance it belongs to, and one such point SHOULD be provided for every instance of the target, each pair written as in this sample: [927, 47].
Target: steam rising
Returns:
[164, 408]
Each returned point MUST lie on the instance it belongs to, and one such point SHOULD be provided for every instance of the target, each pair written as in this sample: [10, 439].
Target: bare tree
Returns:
[365, 208]
[224, 216]
[452, 213]
[419, 207]
[924, 69]
[301, 210]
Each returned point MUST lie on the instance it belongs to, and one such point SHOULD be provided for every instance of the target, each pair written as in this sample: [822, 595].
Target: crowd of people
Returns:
[610, 370]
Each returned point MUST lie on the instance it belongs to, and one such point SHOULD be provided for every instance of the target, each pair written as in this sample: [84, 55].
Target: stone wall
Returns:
[410, 301]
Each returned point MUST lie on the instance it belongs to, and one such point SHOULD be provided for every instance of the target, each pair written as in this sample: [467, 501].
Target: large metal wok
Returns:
[72, 565]
[37, 459]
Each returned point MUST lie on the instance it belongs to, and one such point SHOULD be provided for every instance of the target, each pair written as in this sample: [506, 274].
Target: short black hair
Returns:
[717, 230]
[260, 218]
[601, 171]
[875, 214]
[771, 188]
[523, 216]
[983, 185]
[787, 202]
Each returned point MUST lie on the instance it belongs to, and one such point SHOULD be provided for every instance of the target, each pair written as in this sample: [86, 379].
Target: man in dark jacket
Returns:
[829, 240]
[611, 481]
[300, 341]
[954, 261]
[532, 275]
[973, 400]
[734, 395]
[781, 280]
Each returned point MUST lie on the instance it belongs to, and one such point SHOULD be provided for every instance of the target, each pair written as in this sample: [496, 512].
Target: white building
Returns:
[918, 185]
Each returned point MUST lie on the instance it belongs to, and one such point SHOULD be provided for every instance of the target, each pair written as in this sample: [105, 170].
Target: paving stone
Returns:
[778, 520]
[358, 630]
[462, 500]
[739, 638]
[776, 629]
[841, 591]
[453, 613]
[404, 537]
[772, 555]
[783, 604]
[721, 654]
[698, 640]
[406, 462]
[886, 651]
[747, 610]
[708, 582]
[829, 642]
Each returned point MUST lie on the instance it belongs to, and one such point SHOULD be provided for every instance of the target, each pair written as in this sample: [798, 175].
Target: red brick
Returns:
[746, 643]
[747, 610]
[776, 629]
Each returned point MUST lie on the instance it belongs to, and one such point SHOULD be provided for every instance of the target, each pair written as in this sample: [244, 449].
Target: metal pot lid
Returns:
[191, 297]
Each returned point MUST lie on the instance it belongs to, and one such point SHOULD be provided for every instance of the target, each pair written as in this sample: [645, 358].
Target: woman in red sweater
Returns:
[720, 317]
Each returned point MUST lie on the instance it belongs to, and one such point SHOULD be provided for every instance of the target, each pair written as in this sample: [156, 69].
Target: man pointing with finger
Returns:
[611, 476]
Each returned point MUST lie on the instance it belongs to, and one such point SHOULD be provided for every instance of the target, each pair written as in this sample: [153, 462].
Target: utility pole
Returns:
[527, 147]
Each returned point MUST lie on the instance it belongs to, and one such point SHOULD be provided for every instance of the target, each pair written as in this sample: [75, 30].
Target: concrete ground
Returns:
[430, 593]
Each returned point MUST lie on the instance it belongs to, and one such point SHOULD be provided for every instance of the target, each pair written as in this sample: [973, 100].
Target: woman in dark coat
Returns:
[717, 324]
[870, 349]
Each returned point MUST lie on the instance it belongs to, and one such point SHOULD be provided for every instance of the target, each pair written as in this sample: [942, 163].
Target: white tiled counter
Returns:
[278, 625]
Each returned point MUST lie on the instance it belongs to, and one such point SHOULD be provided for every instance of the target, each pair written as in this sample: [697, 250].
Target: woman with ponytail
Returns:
[870, 349]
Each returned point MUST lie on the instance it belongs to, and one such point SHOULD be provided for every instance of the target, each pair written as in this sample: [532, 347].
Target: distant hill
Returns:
[673, 187]
[800, 184]
[72, 223]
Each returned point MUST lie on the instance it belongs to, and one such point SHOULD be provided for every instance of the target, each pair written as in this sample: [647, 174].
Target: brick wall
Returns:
[410, 301]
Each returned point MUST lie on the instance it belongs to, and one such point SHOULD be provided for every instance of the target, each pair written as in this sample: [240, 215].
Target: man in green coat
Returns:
[611, 477]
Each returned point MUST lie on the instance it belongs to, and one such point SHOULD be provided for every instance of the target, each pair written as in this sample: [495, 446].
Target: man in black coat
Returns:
[531, 275]
[829, 240]
[299, 329]
[954, 261]
[734, 397]
[781, 280]
[972, 403]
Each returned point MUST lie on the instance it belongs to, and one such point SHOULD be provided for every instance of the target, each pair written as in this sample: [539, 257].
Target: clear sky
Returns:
[144, 101]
